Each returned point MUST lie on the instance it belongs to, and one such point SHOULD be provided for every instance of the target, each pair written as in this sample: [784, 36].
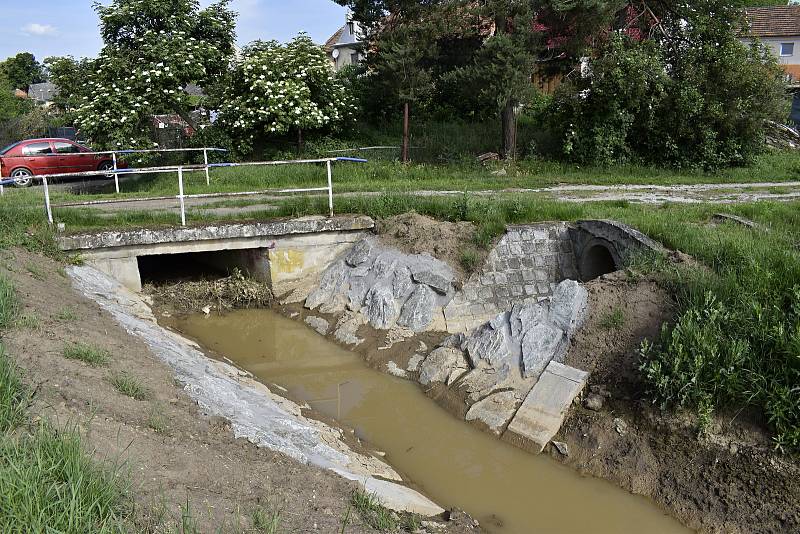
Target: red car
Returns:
[26, 159]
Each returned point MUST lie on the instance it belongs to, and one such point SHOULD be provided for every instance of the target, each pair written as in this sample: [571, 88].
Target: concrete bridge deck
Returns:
[275, 251]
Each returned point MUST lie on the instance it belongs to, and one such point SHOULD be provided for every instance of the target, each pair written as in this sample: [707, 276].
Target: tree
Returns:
[693, 95]
[274, 89]
[22, 70]
[11, 106]
[152, 50]
[69, 76]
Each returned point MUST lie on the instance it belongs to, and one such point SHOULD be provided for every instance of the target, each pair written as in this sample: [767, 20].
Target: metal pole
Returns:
[205, 159]
[180, 196]
[330, 188]
[2, 191]
[47, 201]
[116, 176]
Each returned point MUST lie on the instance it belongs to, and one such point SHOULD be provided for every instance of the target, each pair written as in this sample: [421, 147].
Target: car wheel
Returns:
[106, 166]
[22, 177]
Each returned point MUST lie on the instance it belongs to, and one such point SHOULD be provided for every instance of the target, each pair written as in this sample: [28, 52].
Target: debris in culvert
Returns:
[593, 402]
[233, 292]
[561, 447]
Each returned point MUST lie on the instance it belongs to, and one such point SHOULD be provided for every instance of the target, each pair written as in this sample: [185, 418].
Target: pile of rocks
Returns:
[498, 363]
[389, 288]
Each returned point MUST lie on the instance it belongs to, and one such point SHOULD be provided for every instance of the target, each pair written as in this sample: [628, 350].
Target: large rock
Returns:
[359, 253]
[347, 329]
[402, 285]
[330, 284]
[523, 316]
[541, 414]
[381, 309]
[356, 293]
[417, 312]
[495, 411]
[439, 281]
[481, 381]
[542, 343]
[568, 306]
[439, 364]
[319, 324]
[488, 343]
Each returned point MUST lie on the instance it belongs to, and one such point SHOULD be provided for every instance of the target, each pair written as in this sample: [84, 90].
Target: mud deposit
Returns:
[508, 490]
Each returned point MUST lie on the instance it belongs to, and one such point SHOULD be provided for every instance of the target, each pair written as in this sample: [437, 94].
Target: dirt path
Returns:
[174, 452]
[231, 205]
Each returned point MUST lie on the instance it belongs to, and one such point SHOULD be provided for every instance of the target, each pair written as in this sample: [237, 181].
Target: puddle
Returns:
[508, 490]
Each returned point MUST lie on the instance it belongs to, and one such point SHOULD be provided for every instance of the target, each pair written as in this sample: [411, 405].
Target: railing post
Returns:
[205, 160]
[2, 191]
[47, 201]
[116, 176]
[330, 188]
[180, 196]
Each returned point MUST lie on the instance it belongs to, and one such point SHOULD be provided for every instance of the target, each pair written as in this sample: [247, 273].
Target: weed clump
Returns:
[130, 386]
[87, 354]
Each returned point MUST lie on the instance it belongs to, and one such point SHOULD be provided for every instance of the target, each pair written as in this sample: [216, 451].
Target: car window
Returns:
[9, 147]
[36, 149]
[66, 148]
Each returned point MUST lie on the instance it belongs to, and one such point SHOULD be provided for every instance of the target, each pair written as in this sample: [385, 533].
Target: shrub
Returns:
[694, 97]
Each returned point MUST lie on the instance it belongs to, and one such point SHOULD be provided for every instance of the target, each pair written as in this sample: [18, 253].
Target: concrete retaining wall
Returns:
[277, 252]
[529, 261]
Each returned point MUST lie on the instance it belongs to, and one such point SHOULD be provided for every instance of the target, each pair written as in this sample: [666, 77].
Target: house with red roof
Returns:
[778, 27]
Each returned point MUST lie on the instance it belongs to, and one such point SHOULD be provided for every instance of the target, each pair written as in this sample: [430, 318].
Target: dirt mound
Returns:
[446, 241]
[729, 480]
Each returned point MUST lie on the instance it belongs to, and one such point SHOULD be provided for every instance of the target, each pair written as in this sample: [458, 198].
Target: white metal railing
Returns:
[182, 196]
[116, 171]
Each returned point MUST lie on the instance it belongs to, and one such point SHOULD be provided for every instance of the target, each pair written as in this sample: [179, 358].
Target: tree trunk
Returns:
[299, 141]
[187, 117]
[406, 112]
[509, 120]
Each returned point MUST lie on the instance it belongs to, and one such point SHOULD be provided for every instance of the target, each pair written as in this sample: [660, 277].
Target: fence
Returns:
[117, 171]
[181, 197]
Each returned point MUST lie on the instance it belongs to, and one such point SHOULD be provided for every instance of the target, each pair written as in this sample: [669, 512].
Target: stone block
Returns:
[319, 324]
[543, 410]
[494, 411]
[569, 306]
[439, 364]
[417, 312]
[541, 344]
[380, 310]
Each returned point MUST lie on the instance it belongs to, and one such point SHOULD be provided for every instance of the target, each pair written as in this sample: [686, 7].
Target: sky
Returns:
[69, 27]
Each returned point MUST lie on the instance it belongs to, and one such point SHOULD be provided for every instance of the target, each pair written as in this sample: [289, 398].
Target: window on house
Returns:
[351, 27]
[787, 49]
[354, 58]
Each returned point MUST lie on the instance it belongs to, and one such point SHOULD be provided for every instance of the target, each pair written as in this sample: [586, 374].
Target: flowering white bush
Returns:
[152, 50]
[275, 88]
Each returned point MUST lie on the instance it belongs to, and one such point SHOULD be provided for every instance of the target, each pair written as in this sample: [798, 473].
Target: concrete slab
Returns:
[543, 411]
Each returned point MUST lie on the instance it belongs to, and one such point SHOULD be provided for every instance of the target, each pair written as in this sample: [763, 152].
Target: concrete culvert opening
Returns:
[595, 262]
[169, 268]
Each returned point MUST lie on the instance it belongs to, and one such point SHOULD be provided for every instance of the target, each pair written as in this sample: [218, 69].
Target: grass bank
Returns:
[48, 483]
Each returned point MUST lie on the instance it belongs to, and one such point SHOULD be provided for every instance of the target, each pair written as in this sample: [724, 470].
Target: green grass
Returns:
[378, 517]
[156, 420]
[372, 512]
[66, 315]
[612, 320]
[266, 521]
[49, 484]
[47, 481]
[28, 321]
[35, 272]
[8, 303]
[14, 395]
[88, 354]
[130, 386]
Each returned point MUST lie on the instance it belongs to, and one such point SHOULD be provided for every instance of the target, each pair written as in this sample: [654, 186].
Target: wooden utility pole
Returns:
[406, 113]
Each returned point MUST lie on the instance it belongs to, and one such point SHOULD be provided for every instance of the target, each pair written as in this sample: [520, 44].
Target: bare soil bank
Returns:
[729, 480]
[191, 457]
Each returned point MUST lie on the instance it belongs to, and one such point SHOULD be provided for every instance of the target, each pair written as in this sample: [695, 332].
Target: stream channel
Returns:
[509, 491]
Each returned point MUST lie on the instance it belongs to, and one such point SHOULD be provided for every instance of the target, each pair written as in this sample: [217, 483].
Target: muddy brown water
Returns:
[507, 490]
